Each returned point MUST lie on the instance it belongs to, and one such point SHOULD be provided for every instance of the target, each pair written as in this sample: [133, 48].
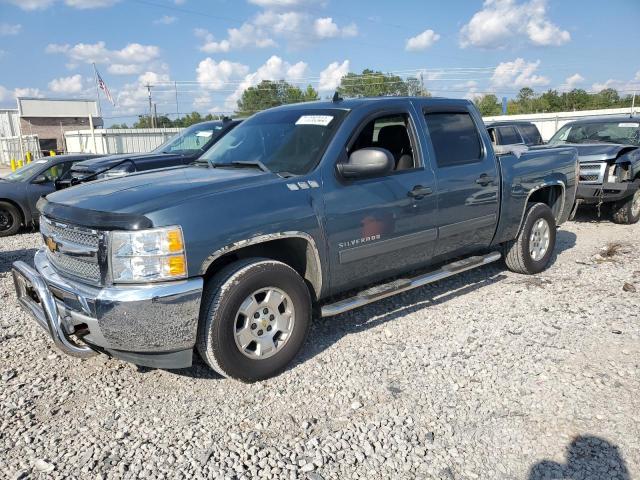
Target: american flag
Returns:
[103, 86]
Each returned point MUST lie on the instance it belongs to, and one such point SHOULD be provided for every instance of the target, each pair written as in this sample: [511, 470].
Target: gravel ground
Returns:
[485, 375]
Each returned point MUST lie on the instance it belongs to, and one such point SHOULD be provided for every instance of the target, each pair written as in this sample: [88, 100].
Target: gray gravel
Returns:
[486, 375]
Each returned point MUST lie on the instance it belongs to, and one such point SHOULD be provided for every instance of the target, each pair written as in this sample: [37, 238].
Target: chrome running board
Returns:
[379, 292]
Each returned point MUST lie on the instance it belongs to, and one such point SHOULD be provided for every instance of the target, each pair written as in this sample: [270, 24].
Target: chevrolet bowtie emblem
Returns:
[51, 244]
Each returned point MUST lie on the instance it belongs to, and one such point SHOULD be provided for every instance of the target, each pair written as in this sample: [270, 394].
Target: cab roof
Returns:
[355, 103]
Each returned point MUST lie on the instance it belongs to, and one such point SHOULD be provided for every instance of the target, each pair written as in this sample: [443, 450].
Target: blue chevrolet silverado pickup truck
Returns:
[328, 204]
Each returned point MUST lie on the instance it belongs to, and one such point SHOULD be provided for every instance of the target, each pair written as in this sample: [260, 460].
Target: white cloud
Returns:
[624, 87]
[71, 84]
[9, 29]
[30, 5]
[28, 92]
[422, 41]
[165, 20]
[500, 21]
[275, 68]
[327, 28]
[5, 94]
[245, 36]
[214, 75]
[518, 74]
[638, 75]
[283, 3]
[133, 59]
[571, 82]
[330, 77]
[87, 4]
[132, 98]
[297, 28]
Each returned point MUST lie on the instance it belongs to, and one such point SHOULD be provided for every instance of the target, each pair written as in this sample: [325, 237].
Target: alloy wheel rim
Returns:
[264, 323]
[539, 239]
[6, 220]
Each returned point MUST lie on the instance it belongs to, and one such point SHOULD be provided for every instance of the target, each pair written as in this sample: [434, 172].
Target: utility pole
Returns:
[150, 106]
[155, 116]
[175, 86]
[421, 84]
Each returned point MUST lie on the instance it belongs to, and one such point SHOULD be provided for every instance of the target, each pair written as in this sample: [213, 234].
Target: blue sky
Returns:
[214, 49]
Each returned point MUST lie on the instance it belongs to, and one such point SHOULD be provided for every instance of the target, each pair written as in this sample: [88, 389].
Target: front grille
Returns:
[72, 250]
[62, 231]
[81, 269]
[592, 173]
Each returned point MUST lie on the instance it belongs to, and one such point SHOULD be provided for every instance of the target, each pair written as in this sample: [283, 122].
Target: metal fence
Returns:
[117, 140]
[11, 148]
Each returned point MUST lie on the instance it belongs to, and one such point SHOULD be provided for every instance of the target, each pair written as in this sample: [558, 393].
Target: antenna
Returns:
[336, 97]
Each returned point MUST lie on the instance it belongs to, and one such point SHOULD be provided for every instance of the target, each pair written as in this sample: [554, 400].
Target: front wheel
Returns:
[627, 211]
[254, 319]
[531, 251]
[10, 219]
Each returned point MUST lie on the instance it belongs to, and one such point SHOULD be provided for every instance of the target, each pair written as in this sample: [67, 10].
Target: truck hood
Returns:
[140, 194]
[96, 164]
[600, 152]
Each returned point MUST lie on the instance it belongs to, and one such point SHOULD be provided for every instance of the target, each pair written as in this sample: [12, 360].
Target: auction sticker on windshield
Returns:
[629, 125]
[321, 120]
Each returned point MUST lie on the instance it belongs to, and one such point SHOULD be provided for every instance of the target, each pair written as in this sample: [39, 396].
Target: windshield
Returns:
[621, 132]
[25, 172]
[285, 141]
[193, 139]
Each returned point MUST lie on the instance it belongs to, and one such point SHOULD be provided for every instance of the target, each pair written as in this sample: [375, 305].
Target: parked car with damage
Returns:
[609, 163]
[513, 132]
[297, 205]
[181, 149]
[20, 190]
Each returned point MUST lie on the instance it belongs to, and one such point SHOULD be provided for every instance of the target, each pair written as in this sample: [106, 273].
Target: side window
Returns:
[509, 136]
[391, 132]
[532, 134]
[58, 172]
[454, 137]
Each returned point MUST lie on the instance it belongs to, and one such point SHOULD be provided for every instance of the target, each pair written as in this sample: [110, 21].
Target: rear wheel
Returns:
[10, 219]
[531, 251]
[627, 211]
[254, 319]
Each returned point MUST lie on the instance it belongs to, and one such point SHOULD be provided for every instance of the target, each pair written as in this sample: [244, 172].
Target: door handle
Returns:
[419, 192]
[485, 180]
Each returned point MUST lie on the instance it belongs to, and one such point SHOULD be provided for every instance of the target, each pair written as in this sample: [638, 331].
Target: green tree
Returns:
[371, 83]
[268, 94]
[488, 105]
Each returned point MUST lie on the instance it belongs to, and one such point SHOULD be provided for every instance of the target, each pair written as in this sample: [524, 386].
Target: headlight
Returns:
[119, 171]
[148, 255]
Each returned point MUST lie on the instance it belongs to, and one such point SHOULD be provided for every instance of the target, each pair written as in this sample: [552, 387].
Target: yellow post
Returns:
[20, 163]
[28, 155]
[13, 164]
[52, 153]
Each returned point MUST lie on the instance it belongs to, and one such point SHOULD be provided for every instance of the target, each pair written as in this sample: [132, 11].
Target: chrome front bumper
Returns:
[133, 322]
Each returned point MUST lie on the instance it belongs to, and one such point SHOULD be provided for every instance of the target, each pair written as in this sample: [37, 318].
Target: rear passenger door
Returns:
[467, 179]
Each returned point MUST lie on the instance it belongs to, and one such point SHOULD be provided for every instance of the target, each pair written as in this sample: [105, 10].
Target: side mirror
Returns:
[367, 162]
[39, 180]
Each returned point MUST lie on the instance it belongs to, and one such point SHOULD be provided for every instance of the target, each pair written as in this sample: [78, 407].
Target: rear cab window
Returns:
[454, 137]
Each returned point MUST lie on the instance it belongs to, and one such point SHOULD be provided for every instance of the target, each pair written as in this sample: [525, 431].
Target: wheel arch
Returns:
[552, 194]
[296, 249]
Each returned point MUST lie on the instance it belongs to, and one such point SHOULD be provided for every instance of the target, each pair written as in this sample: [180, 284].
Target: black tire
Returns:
[517, 253]
[625, 212]
[10, 219]
[219, 317]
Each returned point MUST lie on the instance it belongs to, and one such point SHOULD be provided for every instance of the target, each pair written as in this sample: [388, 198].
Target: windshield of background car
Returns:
[284, 141]
[621, 132]
[192, 140]
[25, 172]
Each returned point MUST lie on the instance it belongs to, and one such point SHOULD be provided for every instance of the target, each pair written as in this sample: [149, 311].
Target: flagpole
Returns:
[95, 79]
